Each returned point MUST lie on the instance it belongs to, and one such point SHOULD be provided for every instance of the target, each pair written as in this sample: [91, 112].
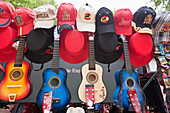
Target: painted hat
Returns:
[143, 19]
[6, 13]
[38, 41]
[24, 17]
[140, 49]
[66, 15]
[86, 18]
[7, 52]
[74, 46]
[123, 21]
[107, 49]
[104, 21]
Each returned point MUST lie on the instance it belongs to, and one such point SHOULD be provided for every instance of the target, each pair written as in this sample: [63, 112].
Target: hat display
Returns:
[24, 17]
[7, 52]
[140, 49]
[6, 13]
[107, 49]
[104, 21]
[37, 42]
[74, 46]
[45, 15]
[86, 18]
[66, 16]
[143, 19]
[123, 21]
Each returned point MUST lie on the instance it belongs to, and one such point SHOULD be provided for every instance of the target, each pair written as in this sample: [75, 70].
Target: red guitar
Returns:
[16, 83]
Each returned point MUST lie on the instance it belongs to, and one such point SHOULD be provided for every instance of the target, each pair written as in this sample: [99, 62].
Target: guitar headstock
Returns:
[47, 101]
[123, 37]
[91, 36]
[56, 34]
[90, 96]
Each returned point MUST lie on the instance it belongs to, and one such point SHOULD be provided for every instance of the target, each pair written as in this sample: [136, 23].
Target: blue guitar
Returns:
[128, 93]
[54, 83]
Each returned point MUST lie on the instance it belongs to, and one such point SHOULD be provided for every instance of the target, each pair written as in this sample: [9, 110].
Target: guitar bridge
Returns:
[56, 100]
[12, 97]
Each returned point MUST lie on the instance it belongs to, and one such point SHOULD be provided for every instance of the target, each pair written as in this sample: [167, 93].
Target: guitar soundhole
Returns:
[16, 74]
[92, 78]
[130, 83]
[55, 82]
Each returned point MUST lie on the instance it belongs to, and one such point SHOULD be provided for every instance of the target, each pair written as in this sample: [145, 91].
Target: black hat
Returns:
[38, 41]
[104, 21]
[107, 49]
[143, 19]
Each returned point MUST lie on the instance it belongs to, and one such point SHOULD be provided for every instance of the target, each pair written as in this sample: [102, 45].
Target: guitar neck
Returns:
[20, 52]
[126, 57]
[91, 59]
[55, 60]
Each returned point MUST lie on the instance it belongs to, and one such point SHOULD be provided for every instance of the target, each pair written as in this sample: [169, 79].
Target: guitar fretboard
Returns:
[91, 59]
[20, 52]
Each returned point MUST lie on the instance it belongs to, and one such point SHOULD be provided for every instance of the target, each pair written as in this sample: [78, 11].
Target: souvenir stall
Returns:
[89, 62]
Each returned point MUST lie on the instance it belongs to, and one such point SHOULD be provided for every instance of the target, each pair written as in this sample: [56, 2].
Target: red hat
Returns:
[6, 13]
[7, 52]
[24, 17]
[66, 16]
[123, 21]
[74, 46]
[140, 49]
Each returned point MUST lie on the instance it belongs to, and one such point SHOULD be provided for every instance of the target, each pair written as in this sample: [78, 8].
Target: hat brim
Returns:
[7, 57]
[105, 29]
[5, 22]
[66, 25]
[82, 26]
[24, 30]
[70, 57]
[123, 30]
[44, 24]
[141, 28]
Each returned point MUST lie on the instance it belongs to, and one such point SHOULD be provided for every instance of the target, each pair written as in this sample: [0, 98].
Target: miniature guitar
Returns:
[92, 78]
[54, 79]
[128, 93]
[16, 84]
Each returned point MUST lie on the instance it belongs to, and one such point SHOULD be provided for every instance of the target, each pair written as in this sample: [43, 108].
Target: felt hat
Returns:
[74, 46]
[24, 17]
[7, 52]
[107, 49]
[66, 15]
[140, 49]
[38, 41]
[6, 13]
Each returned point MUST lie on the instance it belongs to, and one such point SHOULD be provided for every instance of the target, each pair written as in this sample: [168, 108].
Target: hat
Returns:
[7, 52]
[74, 46]
[66, 16]
[6, 13]
[162, 18]
[38, 41]
[140, 49]
[123, 21]
[75, 110]
[24, 17]
[45, 15]
[106, 47]
[86, 18]
[104, 21]
[143, 19]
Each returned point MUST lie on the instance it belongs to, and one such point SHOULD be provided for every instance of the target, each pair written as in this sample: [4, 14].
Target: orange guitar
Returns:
[16, 84]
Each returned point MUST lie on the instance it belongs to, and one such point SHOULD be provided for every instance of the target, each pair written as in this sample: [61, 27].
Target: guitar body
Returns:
[57, 84]
[129, 82]
[92, 77]
[16, 84]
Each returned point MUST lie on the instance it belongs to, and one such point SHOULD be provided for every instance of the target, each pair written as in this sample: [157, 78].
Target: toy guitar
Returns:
[54, 79]
[16, 84]
[92, 89]
[128, 93]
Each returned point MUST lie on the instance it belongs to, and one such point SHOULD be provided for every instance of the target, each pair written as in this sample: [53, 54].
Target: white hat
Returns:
[75, 110]
[45, 15]
[86, 18]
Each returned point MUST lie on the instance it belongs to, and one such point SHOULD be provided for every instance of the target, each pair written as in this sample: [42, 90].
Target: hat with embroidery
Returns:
[143, 19]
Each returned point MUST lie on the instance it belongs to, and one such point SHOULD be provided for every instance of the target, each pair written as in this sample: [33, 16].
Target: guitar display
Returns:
[54, 79]
[16, 84]
[128, 93]
[92, 89]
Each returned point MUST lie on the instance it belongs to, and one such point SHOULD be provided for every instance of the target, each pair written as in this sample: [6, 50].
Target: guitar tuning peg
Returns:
[44, 107]
[87, 94]
[92, 98]
[86, 89]
[130, 94]
[134, 104]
